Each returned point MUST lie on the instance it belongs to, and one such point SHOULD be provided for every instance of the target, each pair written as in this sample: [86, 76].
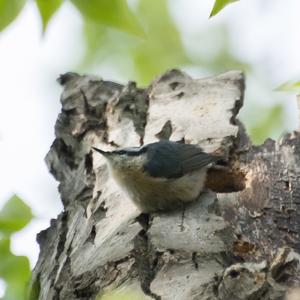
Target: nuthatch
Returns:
[160, 176]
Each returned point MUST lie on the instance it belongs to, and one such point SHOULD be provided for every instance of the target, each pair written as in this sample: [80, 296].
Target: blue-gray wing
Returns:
[172, 160]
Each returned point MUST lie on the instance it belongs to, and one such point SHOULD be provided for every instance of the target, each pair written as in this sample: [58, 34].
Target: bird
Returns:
[160, 176]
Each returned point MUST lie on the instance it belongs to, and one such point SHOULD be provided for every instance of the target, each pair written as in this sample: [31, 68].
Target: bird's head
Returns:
[125, 160]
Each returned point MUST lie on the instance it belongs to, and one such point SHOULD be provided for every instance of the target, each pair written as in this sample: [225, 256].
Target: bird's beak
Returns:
[104, 153]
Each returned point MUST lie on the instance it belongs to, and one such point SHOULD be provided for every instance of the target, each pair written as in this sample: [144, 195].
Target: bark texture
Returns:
[242, 244]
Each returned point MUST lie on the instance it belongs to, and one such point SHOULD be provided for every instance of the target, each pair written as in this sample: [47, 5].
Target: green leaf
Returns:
[47, 9]
[139, 59]
[219, 5]
[15, 270]
[162, 48]
[95, 36]
[4, 249]
[14, 216]
[112, 13]
[269, 126]
[9, 10]
[108, 46]
[289, 87]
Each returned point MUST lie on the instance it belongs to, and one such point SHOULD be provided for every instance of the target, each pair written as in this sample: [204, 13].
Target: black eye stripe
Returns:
[120, 152]
[131, 152]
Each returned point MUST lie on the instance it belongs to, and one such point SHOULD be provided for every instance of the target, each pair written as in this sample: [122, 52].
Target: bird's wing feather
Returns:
[173, 160]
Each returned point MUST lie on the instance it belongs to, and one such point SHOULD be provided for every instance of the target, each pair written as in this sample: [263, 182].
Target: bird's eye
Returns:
[143, 149]
[121, 152]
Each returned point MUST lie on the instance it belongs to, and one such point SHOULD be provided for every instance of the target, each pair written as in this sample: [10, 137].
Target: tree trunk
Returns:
[242, 243]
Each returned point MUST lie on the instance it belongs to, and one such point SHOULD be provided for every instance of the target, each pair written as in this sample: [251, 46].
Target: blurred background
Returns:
[121, 41]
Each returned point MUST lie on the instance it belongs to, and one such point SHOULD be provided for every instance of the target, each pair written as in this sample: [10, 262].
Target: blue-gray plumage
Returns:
[160, 176]
[173, 160]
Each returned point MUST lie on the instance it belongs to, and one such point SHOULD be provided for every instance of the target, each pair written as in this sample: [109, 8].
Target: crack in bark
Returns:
[194, 260]
[144, 263]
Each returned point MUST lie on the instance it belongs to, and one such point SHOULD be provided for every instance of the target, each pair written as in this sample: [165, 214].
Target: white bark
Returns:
[241, 245]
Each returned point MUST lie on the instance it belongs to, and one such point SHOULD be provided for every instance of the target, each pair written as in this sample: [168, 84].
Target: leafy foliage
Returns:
[47, 9]
[112, 13]
[9, 10]
[219, 5]
[162, 47]
[269, 124]
[139, 57]
[14, 270]
[14, 216]
[290, 87]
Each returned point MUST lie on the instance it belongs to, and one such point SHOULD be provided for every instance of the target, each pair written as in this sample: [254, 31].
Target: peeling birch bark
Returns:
[242, 244]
